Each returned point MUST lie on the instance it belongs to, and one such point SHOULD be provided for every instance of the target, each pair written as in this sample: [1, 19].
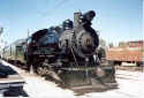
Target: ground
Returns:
[130, 85]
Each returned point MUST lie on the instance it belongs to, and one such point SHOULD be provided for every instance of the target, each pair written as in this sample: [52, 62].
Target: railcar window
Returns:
[19, 49]
[10, 50]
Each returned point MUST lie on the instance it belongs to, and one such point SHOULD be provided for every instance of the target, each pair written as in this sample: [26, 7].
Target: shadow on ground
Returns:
[11, 84]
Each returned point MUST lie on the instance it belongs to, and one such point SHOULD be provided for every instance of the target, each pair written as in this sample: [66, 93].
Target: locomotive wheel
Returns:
[41, 71]
[44, 69]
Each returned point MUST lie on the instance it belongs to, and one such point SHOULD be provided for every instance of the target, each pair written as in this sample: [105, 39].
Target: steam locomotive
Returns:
[67, 53]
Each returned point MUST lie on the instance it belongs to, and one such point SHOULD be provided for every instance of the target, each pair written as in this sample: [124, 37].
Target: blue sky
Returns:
[116, 20]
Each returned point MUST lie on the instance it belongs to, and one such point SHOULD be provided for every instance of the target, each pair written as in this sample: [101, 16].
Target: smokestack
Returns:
[77, 16]
[89, 15]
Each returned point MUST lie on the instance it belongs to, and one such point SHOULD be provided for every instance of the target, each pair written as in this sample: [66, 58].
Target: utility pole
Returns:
[1, 30]
[28, 32]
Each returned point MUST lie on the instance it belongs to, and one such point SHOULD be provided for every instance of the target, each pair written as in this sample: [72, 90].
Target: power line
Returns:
[57, 6]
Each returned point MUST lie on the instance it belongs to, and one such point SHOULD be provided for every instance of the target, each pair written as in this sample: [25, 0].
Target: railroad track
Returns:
[129, 68]
[128, 75]
[124, 78]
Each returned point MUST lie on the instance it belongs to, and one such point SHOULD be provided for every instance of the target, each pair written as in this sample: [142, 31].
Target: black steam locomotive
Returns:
[70, 45]
[67, 53]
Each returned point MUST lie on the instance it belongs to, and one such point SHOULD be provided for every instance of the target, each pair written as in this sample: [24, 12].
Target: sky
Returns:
[116, 20]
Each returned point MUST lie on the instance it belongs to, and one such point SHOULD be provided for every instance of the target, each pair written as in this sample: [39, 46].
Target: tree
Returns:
[111, 45]
[102, 48]
[102, 42]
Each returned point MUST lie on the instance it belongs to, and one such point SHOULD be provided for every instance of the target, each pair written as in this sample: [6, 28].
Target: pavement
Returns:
[130, 85]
